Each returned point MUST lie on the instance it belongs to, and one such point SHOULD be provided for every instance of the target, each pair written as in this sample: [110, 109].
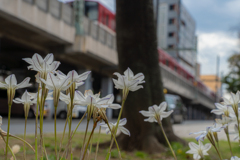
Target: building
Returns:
[213, 82]
[176, 33]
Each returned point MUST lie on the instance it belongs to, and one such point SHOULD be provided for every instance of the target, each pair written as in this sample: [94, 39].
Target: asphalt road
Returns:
[182, 130]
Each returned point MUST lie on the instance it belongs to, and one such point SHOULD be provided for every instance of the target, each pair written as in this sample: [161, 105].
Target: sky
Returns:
[217, 23]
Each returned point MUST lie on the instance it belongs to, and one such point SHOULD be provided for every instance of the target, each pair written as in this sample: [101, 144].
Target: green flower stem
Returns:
[119, 117]
[70, 125]
[98, 142]
[55, 129]
[229, 143]
[45, 152]
[79, 124]
[94, 126]
[160, 124]
[210, 138]
[114, 137]
[41, 118]
[9, 117]
[62, 137]
[36, 126]
[9, 148]
[22, 141]
[220, 156]
[235, 108]
[90, 150]
[24, 146]
[85, 135]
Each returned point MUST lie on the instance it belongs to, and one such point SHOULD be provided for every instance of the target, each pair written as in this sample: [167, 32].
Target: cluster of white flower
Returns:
[229, 111]
[55, 85]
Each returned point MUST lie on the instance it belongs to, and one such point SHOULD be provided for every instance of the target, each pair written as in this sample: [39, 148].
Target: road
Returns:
[181, 130]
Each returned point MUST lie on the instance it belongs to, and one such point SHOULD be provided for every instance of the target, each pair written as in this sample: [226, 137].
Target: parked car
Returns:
[175, 103]
[78, 111]
[17, 109]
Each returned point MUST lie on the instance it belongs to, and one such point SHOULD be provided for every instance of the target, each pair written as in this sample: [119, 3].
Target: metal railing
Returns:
[57, 9]
[184, 86]
[100, 33]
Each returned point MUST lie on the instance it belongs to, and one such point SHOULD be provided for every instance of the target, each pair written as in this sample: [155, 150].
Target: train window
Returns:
[107, 20]
[167, 62]
[171, 21]
[91, 10]
[171, 7]
[171, 46]
[171, 34]
[103, 15]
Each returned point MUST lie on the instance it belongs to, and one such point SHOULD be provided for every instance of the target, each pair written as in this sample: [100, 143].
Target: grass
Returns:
[179, 149]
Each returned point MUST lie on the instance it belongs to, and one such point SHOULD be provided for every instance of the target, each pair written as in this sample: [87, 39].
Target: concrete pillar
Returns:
[88, 82]
[107, 88]
[51, 108]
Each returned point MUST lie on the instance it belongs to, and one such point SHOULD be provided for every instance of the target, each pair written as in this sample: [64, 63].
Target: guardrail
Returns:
[57, 9]
[100, 33]
[183, 87]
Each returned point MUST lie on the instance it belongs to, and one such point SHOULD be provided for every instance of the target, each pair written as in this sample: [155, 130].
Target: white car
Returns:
[78, 111]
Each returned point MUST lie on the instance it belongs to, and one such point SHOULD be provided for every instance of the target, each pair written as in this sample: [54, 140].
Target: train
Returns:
[103, 12]
[168, 61]
[98, 10]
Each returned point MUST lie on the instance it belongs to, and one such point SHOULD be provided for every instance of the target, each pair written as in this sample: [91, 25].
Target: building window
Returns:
[171, 46]
[183, 23]
[171, 34]
[171, 21]
[172, 7]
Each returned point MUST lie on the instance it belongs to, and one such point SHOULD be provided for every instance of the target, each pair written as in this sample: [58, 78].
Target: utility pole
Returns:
[217, 75]
[157, 11]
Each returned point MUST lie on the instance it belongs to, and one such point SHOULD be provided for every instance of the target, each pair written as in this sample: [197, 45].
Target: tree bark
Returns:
[137, 49]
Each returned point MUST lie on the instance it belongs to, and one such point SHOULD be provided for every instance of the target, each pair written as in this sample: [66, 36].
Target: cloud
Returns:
[218, 15]
[210, 45]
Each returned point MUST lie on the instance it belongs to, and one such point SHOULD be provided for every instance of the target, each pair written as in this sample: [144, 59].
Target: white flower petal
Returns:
[24, 83]
[123, 121]
[124, 130]
[114, 106]
[11, 80]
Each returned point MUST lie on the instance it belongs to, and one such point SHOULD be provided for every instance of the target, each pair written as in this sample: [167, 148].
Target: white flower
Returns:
[67, 99]
[122, 122]
[223, 109]
[11, 85]
[236, 132]
[26, 100]
[156, 113]
[224, 121]
[90, 99]
[198, 151]
[15, 149]
[235, 158]
[233, 101]
[43, 66]
[209, 130]
[34, 96]
[57, 85]
[74, 77]
[128, 82]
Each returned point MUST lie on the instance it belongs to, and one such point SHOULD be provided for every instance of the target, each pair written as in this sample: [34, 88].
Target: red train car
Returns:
[100, 11]
[167, 60]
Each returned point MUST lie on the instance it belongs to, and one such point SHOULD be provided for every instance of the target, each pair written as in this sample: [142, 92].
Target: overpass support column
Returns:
[88, 82]
[107, 88]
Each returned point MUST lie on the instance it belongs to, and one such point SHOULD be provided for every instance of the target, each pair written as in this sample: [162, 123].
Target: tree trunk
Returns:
[137, 49]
